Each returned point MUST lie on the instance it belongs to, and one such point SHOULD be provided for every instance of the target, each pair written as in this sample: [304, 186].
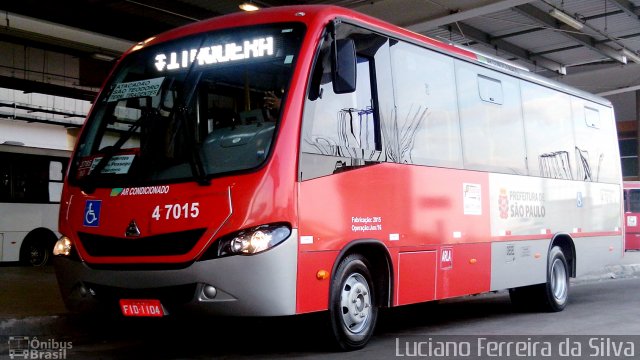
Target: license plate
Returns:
[138, 307]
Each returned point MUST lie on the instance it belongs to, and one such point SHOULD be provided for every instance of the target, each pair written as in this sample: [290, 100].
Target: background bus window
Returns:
[5, 181]
[629, 156]
[633, 201]
[30, 178]
[56, 169]
[426, 107]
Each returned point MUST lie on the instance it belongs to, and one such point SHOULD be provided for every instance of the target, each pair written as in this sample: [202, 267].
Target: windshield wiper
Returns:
[88, 183]
[195, 161]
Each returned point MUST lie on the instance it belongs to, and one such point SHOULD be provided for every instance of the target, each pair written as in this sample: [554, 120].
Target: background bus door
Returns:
[632, 218]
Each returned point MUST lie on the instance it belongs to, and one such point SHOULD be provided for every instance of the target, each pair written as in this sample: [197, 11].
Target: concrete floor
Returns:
[27, 292]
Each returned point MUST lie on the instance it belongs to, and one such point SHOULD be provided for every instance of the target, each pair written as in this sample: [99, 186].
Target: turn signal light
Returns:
[322, 275]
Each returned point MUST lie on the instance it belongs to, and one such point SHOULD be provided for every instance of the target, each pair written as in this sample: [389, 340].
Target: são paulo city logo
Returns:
[521, 204]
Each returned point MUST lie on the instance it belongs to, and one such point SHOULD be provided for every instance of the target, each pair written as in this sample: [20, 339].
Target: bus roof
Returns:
[317, 16]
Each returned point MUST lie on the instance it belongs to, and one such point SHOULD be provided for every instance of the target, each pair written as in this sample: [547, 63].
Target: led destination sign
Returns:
[214, 54]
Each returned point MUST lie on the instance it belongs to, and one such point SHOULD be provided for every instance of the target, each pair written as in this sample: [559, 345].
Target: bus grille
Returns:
[178, 243]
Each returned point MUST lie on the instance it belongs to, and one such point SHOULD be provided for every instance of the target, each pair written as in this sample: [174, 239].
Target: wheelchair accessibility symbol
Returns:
[92, 213]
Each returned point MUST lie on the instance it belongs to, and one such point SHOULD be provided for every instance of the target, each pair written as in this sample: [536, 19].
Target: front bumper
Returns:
[259, 285]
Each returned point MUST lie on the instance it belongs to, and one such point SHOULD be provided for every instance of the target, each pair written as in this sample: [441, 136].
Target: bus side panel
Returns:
[519, 263]
[406, 209]
[313, 290]
[416, 277]
[464, 269]
[597, 252]
[526, 214]
[11, 242]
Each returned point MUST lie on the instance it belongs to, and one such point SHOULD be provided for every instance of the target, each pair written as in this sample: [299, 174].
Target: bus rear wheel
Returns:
[551, 296]
[556, 290]
[352, 309]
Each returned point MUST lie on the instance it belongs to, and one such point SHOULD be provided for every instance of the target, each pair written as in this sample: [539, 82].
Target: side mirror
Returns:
[343, 66]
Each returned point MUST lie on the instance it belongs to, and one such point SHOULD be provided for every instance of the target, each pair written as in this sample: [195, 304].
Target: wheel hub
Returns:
[559, 280]
[355, 303]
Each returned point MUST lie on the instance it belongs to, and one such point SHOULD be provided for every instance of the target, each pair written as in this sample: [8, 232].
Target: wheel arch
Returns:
[39, 234]
[381, 266]
[565, 242]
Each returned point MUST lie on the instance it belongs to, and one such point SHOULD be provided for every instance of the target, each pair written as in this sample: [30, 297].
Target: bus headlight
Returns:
[254, 240]
[63, 246]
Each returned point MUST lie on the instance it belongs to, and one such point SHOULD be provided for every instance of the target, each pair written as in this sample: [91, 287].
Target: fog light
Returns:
[209, 292]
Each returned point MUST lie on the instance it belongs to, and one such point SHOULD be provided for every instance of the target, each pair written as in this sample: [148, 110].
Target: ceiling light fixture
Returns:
[103, 57]
[567, 19]
[630, 55]
[248, 6]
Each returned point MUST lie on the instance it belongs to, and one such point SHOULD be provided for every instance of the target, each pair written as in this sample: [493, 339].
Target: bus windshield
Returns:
[189, 109]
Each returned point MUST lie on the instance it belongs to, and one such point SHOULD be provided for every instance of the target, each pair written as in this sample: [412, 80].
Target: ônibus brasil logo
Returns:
[25, 347]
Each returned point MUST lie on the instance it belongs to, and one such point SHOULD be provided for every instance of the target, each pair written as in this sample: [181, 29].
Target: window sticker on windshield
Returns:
[118, 164]
[83, 167]
[136, 89]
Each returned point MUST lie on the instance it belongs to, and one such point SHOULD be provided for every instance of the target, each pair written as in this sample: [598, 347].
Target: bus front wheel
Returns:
[352, 307]
[37, 247]
[35, 253]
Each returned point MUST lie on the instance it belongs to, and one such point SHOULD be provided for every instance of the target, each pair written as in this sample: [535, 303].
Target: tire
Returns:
[555, 293]
[551, 296]
[352, 308]
[35, 253]
[522, 298]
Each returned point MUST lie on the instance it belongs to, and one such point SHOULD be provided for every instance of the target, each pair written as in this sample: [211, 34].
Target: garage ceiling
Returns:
[598, 54]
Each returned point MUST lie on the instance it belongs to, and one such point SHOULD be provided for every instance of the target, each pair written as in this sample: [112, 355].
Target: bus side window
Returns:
[345, 125]
[595, 142]
[491, 120]
[426, 128]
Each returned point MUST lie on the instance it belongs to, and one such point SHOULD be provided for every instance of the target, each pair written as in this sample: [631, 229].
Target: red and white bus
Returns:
[395, 170]
[631, 214]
